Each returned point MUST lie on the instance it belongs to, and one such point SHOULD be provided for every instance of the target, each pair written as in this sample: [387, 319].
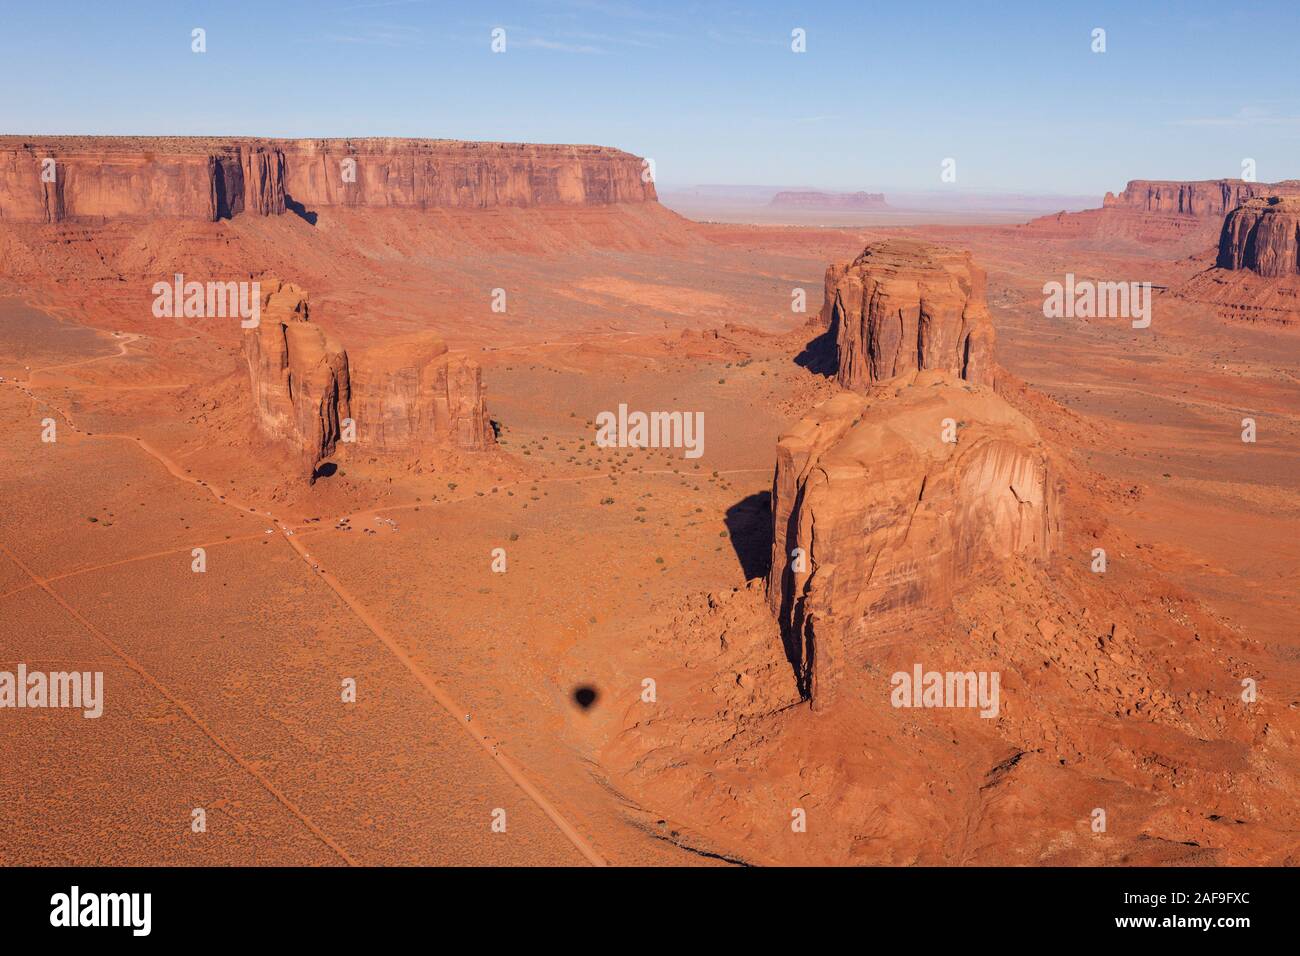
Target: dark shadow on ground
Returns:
[749, 525]
[299, 210]
[818, 355]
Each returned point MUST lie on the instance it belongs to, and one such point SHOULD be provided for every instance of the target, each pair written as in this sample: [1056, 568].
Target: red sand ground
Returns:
[224, 688]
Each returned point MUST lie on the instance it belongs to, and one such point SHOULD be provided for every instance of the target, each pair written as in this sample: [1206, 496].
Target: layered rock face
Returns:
[91, 179]
[876, 514]
[905, 305]
[1256, 276]
[299, 375]
[410, 394]
[1262, 235]
[404, 397]
[1207, 199]
[1183, 216]
[103, 178]
[424, 174]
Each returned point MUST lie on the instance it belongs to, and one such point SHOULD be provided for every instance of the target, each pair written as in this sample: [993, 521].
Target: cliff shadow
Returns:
[299, 210]
[749, 528]
[819, 355]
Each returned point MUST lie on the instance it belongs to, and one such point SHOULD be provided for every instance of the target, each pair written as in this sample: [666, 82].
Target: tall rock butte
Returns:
[904, 305]
[404, 397]
[916, 479]
[99, 178]
[299, 375]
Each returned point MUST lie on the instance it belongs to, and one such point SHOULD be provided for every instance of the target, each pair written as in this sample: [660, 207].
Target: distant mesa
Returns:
[404, 397]
[1256, 275]
[98, 178]
[1187, 215]
[812, 199]
[1208, 199]
[904, 305]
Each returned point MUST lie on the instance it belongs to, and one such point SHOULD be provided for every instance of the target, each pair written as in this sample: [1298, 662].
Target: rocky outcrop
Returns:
[877, 513]
[1262, 235]
[905, 305]
[403, 397]
[1256, 276]
[1182, 217]
[104, 178]
[811, 199]
[409, 395]
[299, 375]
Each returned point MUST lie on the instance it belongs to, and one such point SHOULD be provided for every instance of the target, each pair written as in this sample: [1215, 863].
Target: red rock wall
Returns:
[905, 305]
[1263, 236]
[1211, 199]
[101, 178]
[299, 376]
[876, 516]
[410, 394]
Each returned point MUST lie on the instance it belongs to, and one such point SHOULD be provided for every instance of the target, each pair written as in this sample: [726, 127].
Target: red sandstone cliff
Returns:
[409, 394]
[1183, 215]
[1262, 235]
[1256, 275]
[904, 305]
[1207, 199]
[875, 513]
[102, 178]
[404, 397]
[299, 377]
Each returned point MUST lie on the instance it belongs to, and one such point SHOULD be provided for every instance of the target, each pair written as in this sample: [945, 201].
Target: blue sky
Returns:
[711, 91]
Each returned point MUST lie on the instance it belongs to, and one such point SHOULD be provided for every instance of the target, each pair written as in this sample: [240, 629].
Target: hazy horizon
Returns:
[713, 93]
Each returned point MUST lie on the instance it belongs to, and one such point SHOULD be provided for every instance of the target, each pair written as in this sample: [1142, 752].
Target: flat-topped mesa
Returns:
[1208, 199]
[1262, 235]
[410, 394]
[879, 515]
[91, 178]
[299, 374]
[813, 199]
[904, 305]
